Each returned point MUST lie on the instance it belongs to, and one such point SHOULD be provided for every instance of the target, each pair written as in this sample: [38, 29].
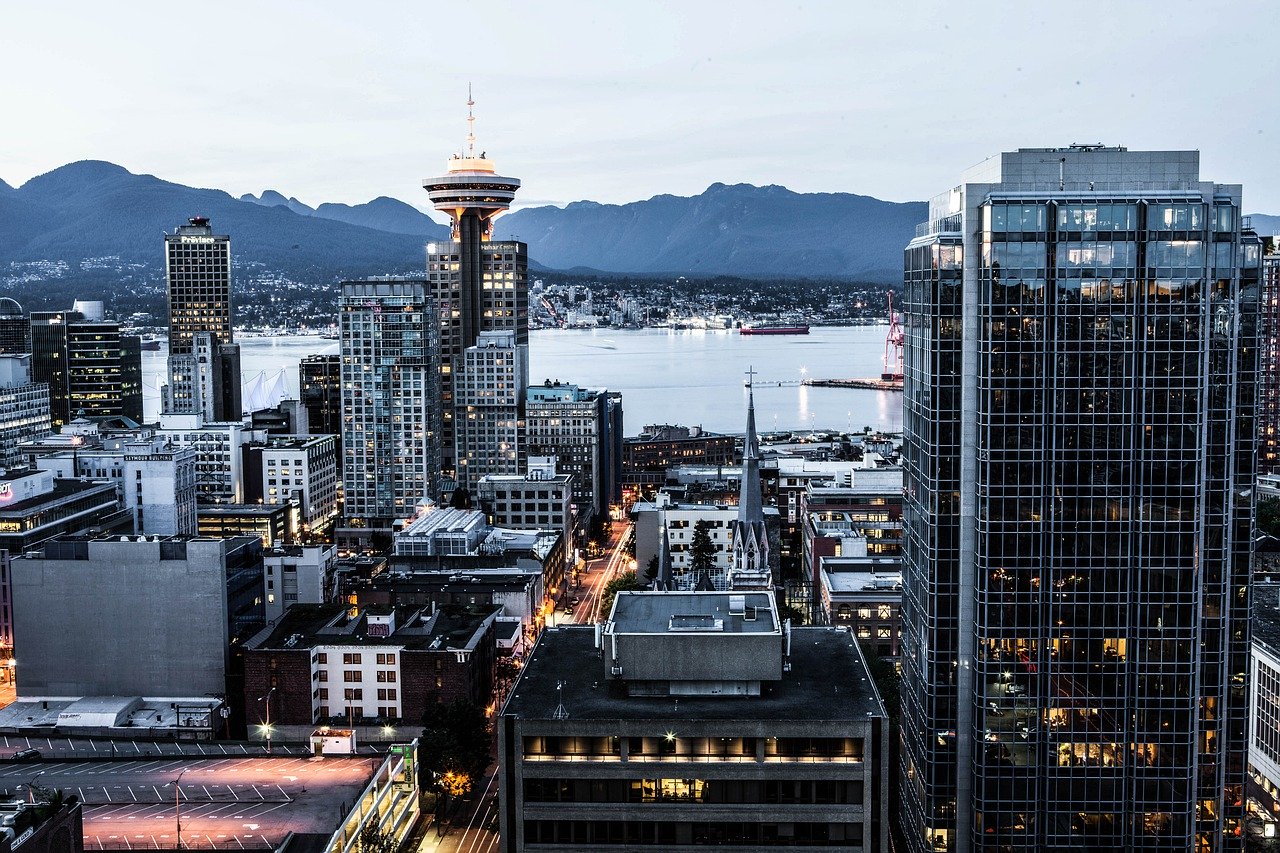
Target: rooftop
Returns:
[304, 626]
[828, 680]
[883, 575]
[1266, 615]
[665, 612]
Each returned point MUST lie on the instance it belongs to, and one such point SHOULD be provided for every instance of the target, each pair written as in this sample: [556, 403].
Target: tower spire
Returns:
[471, 125]
[749, 500]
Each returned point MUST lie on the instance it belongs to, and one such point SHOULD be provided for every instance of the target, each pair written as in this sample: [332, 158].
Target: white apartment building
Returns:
[296, 468]
[297, 575]
[219, 459]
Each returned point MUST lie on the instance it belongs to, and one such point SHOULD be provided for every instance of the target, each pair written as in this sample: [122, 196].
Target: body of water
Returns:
[665, 376]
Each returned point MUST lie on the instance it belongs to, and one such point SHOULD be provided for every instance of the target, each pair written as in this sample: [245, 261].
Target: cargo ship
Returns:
[774, 328]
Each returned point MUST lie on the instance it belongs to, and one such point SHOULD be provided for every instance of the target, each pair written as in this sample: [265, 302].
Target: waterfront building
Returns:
[694, 719]
[15, 328]
[388, 664]
[390, 400]
[659, 447]
[24, 408]
[97, 617]
[204, 361]
[490, 405]
[477, 284]
[1079, 447]
[91, 369]
[582, 428]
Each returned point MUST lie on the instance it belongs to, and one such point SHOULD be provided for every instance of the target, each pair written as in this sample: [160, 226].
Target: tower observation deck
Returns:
[471, 189]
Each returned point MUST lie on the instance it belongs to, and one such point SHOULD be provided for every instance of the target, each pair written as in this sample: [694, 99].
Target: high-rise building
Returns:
[15, 328]
[1081, 363]
[201, 350]
[320, 387]
[491, 400]
[24, 409]
[91, 369]
[390, 399]
[582, 428]
[1269, 372]
[478, 284]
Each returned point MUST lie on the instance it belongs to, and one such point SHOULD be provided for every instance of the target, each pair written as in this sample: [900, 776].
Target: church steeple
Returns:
[750, 568]
[749, 502]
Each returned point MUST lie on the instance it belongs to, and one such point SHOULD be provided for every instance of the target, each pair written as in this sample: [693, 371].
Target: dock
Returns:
[869, 384]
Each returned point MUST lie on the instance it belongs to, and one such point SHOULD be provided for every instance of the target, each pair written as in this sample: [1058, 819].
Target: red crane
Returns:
[893, 347]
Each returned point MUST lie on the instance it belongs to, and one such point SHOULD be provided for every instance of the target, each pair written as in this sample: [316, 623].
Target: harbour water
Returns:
[665, 376]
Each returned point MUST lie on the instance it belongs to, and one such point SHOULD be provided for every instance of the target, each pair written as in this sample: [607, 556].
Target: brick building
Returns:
[319, 664]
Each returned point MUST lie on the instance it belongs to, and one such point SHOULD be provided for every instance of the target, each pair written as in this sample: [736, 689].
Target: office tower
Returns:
[490, 400]
[750, 566]
[91, 369]
[694, 719]
[24, 409]
[198, 270]
[582, 428]
[15, 328]
[320, 387]
[390, 399]
[1081, 362]
[478, 284]
[1269, 367]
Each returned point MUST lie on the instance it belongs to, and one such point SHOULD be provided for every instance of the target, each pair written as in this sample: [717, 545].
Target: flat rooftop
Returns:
[1266, 615]
[828, 680]
[304, 626]
[664, 612]
[887, 580]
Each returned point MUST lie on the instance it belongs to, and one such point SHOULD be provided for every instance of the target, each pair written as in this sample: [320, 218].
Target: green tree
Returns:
[702, 551]
[625, 582]
[1268, 516]
[455, 748]
[795, 614]
[651, 570]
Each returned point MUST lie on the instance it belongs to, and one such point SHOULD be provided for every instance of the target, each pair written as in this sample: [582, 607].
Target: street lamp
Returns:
[266, 728]
[31, 786]
[177, 805]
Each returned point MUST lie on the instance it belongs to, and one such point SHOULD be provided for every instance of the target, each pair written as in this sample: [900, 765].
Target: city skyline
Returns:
[634, 101]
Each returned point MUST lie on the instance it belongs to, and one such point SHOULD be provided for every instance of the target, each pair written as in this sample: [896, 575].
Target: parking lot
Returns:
[245, 802]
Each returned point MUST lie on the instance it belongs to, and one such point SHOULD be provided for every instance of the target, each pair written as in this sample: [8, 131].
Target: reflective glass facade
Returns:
[1080, 394]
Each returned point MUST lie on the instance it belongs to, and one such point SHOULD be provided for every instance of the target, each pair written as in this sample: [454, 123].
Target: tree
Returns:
[455, 747]
[795, 614]
[625, 582]
[651, 570]
[702, 551]
[373, 839]
[1268, 515]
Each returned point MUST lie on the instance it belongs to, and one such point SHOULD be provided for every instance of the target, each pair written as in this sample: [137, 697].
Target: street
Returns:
[603, 570]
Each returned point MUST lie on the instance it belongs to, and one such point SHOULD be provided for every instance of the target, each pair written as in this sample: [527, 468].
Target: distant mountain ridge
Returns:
[737, 229]
[94, 209]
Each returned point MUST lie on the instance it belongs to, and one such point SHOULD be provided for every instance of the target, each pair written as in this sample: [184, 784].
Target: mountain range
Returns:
[94, 209]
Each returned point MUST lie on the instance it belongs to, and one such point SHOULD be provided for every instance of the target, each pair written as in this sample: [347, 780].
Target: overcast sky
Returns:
[345, 101]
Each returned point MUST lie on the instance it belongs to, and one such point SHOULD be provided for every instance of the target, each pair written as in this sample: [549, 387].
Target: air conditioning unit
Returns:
[616, 670]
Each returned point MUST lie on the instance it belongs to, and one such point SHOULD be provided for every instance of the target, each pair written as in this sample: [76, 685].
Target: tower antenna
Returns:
[471, 125]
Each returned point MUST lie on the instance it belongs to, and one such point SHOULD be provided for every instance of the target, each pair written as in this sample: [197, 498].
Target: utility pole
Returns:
[177, 805]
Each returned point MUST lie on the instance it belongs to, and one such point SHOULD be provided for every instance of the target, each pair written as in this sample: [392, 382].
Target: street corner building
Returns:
[691, 719]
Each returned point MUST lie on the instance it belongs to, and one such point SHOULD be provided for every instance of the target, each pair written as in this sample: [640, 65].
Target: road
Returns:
[474, 828]
[233, 802]
[603, 570]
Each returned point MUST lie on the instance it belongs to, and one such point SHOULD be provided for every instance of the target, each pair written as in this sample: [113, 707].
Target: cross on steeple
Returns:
[751, 376]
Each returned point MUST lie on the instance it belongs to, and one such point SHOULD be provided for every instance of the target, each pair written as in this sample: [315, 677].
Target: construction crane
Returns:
[893, 347]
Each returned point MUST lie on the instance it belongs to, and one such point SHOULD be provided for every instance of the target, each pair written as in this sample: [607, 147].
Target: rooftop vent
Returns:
[696, 622]
[737, 605]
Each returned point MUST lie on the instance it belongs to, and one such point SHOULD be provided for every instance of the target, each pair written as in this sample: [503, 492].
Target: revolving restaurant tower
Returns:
[477, 284]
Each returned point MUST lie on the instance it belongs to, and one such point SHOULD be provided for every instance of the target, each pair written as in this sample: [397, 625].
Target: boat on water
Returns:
[774, 328]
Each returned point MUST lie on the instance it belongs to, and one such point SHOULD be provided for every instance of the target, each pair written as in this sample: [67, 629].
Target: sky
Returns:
[615, 102]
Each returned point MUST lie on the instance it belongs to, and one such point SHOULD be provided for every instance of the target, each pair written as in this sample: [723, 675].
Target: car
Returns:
[26, 755]
[574, 601]
[568, 611]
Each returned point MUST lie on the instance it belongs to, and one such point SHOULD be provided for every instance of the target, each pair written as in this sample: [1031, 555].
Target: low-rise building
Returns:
[676, 523]
[690, 720]
[320, 663]
[863, 594]
[126, 616]
[273, 524]
[1263, 788]
[219, 458]
[647, 457]
[296, 574]
[540, 499]
[518, 593]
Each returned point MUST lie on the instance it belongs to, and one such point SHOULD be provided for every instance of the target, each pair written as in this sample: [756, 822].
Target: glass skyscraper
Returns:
[1079, 436]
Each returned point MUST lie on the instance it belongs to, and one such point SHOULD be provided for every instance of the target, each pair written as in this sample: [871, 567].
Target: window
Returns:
[884, 611]
[387, 659]
[349, 694]
[324, 675]
[351, 675]
[351, 657]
